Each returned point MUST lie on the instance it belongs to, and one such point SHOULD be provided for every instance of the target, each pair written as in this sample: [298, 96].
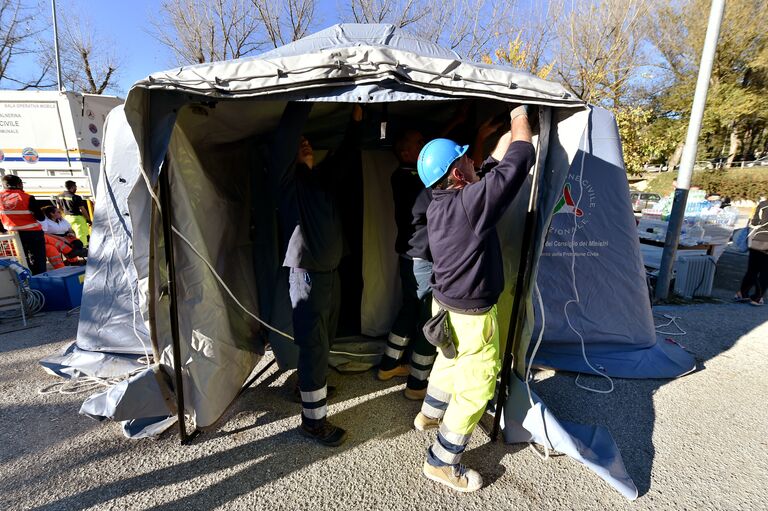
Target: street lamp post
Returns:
[56, 46]
[677, 214]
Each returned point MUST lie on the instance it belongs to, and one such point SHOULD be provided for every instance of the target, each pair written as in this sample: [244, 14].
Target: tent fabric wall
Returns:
[381, 288]
[221, 343]
[109, 317]
[613, 313]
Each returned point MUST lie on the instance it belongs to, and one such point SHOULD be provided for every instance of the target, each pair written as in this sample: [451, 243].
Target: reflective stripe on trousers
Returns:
[314, 404]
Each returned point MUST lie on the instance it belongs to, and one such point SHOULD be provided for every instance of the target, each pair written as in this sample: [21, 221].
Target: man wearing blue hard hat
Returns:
[467, 280]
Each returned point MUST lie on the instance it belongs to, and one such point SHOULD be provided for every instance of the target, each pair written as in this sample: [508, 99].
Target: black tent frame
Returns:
[514, 334]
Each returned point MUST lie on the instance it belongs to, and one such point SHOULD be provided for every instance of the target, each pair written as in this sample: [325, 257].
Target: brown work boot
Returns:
[325, 434]
[457, 477]
[424, 423]
[415, 395]
[399, 371]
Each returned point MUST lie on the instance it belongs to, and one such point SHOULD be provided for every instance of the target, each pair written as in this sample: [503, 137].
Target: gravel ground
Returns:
[698, 442]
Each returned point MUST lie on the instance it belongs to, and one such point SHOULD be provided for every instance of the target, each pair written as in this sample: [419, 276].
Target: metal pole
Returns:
[165, 198]
[689, 152]
[56, 46]
[518, 310]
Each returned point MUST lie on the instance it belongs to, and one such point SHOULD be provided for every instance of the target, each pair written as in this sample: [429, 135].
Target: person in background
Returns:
[54, 223]
[468, 277]
[757, 264]
[21, 213]
[75, 211]
[63, 248]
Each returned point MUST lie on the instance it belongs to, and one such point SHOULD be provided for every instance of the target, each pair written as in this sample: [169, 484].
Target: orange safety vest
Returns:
[14, 211]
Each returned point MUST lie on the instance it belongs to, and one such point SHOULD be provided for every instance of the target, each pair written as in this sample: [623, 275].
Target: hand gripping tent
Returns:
[186, 264]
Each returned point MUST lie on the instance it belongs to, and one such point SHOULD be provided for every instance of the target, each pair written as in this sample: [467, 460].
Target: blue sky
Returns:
[126, 24]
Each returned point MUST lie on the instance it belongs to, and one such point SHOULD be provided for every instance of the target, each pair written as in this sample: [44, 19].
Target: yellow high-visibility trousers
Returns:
[469, 378]
[80, 226]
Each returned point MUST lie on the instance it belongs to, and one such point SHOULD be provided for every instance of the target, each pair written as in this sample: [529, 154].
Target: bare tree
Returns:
[400, 13]
[18, 30]
[599, 48]
[87, 67]
[472, 28]
[285, 21]
[200, 31]
[532, 48]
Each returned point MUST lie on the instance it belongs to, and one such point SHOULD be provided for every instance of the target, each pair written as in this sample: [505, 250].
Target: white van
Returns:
[49, 137]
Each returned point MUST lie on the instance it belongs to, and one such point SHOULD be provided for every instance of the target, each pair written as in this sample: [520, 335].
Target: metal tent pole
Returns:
[689, 153]
[165, 199]
[518, 311]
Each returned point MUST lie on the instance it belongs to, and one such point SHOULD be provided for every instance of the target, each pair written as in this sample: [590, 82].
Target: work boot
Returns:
[296, 397]
[399, 371]
[424, 423]
[415, 395]
[457, 477]
[325, 433]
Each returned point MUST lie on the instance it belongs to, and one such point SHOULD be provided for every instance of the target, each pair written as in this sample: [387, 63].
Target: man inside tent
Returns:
[412, 246]
[468, 278]
[411, 201]
[312, 232]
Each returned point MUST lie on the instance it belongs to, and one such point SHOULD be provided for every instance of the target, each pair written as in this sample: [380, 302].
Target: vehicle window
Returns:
[634, 196]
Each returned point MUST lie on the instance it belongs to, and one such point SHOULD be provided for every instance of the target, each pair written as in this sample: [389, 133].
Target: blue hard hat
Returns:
[436, 157]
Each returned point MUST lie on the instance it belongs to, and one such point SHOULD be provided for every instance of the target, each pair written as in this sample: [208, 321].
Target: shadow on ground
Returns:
[633, 427]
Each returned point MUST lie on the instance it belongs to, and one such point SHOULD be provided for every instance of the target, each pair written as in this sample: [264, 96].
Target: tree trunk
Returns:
[676, 155]
[736, 143]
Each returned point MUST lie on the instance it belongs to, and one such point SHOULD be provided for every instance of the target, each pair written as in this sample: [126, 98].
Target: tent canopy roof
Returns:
[359, 63]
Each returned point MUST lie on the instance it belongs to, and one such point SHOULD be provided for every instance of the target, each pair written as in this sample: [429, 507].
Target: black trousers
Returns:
[315, 298]
[33, 243]
[757, 275]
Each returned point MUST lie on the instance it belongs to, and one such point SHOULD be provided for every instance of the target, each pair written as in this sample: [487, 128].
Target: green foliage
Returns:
[736, 112]
[747, 183]
[633, 130]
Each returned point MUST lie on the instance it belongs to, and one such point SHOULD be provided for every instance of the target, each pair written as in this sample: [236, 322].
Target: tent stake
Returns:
[516, 317]
[165, 198]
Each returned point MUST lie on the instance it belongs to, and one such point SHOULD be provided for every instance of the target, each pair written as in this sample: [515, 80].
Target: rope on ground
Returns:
[672, 321]
[82, 384]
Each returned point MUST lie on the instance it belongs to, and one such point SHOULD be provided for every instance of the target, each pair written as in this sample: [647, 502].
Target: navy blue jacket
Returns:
[309, 204]
[461, 224]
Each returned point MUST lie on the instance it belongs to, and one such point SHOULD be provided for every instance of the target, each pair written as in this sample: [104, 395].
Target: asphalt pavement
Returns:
[698, 442]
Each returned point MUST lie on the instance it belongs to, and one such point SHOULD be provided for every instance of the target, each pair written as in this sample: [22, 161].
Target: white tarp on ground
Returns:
[208, 128]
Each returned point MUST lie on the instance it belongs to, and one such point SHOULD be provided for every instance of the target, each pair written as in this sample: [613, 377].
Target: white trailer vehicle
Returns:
[49, 137]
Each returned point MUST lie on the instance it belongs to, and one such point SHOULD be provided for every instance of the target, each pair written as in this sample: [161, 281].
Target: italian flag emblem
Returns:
[566, 204]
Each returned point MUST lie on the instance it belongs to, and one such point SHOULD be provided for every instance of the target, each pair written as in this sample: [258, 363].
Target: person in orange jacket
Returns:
[59, 248]
[21, 213]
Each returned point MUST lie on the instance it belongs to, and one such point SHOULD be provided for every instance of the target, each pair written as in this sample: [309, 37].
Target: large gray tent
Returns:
[189, 147]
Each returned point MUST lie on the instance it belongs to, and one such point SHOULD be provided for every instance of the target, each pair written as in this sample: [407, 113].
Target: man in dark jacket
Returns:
[311, 220]
[467, 280]
[411, 200]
